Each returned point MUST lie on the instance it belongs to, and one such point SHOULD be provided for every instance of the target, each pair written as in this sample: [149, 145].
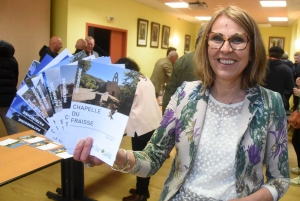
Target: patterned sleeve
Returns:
[276, 158]
[149, 161]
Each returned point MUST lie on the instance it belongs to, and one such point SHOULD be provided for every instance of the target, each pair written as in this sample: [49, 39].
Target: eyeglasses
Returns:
[237, 41]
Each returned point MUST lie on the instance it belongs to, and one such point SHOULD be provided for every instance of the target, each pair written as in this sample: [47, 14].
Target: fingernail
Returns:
[81, 142]
[89, 140]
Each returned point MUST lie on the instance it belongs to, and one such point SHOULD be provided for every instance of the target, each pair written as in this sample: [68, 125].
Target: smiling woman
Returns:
[225, 126]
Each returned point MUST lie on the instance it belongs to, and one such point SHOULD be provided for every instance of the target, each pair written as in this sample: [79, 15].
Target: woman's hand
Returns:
[240, 199]
[82, 153]
[263, 194]
[296, 91]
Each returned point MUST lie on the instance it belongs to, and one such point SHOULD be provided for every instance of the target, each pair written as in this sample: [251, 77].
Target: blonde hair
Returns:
[255, 71]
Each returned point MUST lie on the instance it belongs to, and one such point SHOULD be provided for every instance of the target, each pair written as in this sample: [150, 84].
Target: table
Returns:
[32, 160]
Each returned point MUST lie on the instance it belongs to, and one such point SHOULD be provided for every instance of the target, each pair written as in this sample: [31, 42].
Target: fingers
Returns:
[85, 153]
[82, 153]
[96, 161]
[78, 150]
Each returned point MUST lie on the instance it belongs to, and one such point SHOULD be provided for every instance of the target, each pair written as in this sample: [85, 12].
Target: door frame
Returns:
[122, 31]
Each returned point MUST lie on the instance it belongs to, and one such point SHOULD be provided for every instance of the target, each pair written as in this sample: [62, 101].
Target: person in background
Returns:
[225, 126]
[55, 44]
[170, 49]
[162, 71]
[279, 76]
[144, 118]
[296, 144]
[80, 45]
[289, 63]
[9, 73]
[296, 58]
[183, 71]
[296, 75]
[90, 46]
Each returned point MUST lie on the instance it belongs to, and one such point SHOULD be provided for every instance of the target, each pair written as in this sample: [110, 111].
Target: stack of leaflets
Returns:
[72, 97]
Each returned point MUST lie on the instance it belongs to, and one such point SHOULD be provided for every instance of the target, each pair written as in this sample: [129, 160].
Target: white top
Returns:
[212, 176]
[145, 114]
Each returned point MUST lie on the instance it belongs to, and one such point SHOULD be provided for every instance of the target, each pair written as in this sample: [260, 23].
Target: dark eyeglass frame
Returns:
[227, 39]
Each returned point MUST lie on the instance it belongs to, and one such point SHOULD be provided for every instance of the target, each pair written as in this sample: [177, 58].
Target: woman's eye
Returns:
[237, 39]
[218, 39]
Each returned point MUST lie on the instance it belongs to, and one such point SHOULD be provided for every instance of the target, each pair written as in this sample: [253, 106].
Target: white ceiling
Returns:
[253, 7]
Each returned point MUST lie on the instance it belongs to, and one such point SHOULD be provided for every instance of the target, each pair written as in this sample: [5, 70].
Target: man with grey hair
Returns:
[183, 71]
[163, 70]
[90, 46]
[285, 60]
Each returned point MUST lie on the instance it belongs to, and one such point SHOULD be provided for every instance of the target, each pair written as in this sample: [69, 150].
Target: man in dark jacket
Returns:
[279, 76]
[285, 60]
[9, 73]
[55, 45]
[183, 71]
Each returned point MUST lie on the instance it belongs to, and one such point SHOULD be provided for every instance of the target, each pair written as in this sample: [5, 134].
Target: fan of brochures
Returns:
[72, 97]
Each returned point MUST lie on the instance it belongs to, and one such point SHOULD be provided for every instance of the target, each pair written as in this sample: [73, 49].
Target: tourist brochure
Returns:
[11, 143]
[61, 152]
[22, 113]
[101, 102]
[31, 138]
[71, 99]
[43, 145]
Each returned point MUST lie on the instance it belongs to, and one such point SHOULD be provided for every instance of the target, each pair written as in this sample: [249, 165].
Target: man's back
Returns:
[279, 78]
[162, 71]
[46, 50]
[183, 71]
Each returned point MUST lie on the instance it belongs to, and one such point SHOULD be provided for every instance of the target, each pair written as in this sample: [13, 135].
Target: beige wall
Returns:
[26, 25]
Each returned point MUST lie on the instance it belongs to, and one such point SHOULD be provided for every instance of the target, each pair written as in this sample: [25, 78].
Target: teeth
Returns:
[226, 61]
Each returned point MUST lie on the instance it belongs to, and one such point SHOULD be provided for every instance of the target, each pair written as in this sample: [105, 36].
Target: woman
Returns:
[144, 118]
[296, 144]
[224, 127]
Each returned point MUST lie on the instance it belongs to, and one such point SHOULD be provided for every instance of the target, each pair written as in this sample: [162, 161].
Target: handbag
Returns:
[294, 119]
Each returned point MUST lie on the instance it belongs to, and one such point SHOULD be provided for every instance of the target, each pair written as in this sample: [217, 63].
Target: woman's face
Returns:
[228, 64]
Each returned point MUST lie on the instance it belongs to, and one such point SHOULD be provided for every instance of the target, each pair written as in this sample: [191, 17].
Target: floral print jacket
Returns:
[264, 140]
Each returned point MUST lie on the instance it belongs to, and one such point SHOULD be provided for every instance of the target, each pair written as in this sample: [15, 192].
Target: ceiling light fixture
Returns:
[203, 18]
[177, 4]
[278, 19]
[273, 3]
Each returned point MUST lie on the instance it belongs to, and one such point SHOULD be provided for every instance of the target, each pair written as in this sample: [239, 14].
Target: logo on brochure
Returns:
[106, 154]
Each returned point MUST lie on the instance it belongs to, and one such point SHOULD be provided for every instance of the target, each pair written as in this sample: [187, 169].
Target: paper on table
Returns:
[61, 152]
[31, 138]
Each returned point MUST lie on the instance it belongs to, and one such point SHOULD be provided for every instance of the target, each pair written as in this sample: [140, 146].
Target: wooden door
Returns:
[117, 40]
